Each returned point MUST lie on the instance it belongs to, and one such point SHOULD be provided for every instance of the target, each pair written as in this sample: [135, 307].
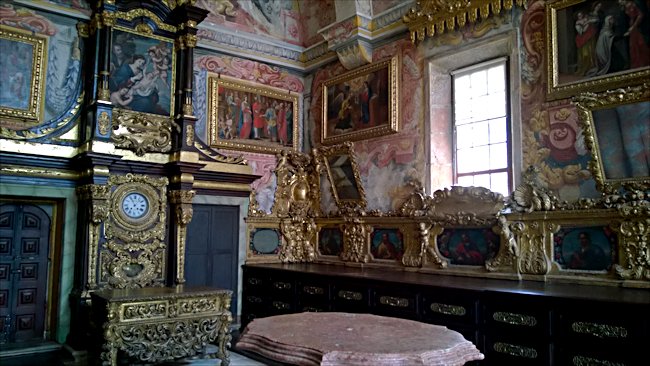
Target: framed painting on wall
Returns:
[387, 244]
[343, 175]
[251, 117]
[585, 248]
[142, 73]
[596, 45]
[468, 246]
[362, 103]
[616, 126]
[23, 61]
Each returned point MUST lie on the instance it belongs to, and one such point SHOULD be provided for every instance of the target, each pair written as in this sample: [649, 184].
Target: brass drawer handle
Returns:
[394, 301]
[448, 309]
[254, 281]
[313, 290]
[282, 285]
[311, 309]
[599, 330]
[588, 361]
[515, 350]
[351, 295]
[515, 319]
[281, 305]
[254, 299]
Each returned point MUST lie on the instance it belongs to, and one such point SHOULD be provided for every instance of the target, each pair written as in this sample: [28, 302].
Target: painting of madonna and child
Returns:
[585, 248]
[141, 73]
[602, 37]
[471, 247]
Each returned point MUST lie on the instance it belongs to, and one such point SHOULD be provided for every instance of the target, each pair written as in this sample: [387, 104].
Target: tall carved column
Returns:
[186, 17]
[98, 101]
[181, 201]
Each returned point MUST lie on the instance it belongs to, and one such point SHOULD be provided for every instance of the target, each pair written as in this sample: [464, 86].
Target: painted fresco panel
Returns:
[15, 73]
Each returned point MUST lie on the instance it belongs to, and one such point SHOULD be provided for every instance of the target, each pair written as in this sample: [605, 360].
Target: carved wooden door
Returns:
[24, 247]
[211, 251]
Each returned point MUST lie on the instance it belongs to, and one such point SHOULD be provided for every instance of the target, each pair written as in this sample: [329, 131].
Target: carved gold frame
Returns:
[35, 108]
[557, 90]
[586, 104]
[218, 82]
[343, 154]
[383, 127]
[252, 224]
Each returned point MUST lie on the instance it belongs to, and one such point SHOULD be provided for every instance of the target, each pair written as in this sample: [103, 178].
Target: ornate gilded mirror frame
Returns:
[343, 175]
[616, 126]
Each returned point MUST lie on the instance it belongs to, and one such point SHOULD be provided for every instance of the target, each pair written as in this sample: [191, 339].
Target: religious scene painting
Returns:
[252, 117]
[142, 73]
[330, 241]
[596, 44]
[470, 247]
[387, 244]
[361, 103]
[585, 248]
[22, 74]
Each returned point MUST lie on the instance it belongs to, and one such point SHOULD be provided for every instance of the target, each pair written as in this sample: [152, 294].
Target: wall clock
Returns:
[135, 205]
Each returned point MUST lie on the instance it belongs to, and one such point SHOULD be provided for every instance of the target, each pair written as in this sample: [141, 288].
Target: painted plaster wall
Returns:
[292, 21]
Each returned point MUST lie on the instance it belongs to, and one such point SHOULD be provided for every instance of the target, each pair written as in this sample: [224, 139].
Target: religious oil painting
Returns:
[596, 45]
[23, 59]
[616, 126]
[251, 117]
[362, 103]
[330, 241]
[471, 247]
[590, 248]
[142, 73]
[264, 241]
[387, 244]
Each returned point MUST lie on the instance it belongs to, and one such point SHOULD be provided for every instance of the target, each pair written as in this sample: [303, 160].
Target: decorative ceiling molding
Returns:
[431, 17]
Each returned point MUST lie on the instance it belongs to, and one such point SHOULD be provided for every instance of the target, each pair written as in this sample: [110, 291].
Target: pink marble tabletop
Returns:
[355, 339]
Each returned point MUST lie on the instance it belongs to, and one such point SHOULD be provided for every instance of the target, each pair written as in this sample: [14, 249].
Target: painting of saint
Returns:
[387, 244]
[588, 248]
[141, 72]
[471, 247]
[330, 241]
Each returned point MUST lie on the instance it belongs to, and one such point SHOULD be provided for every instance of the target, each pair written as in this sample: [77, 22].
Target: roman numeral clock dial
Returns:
[135, 205]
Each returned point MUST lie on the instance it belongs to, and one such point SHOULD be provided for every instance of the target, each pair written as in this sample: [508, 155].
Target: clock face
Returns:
[135, 205]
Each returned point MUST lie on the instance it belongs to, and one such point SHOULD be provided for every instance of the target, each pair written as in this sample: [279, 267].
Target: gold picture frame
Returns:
[362, 103]
[251, 117]
[23, 61]
[575, 61]
[616, 127]
[343, 175]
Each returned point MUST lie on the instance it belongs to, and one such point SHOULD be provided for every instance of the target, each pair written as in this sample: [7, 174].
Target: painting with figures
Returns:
[141, 73]
[585, 248]
[387, 244]
[470, 247]
[252, 117]
[603, 42]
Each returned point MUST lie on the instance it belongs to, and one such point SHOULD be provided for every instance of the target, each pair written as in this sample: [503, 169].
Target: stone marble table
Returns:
[355, 339]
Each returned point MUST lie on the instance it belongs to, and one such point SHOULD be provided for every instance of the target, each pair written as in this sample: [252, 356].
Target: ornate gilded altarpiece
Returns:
[132, 253]
[465, 231]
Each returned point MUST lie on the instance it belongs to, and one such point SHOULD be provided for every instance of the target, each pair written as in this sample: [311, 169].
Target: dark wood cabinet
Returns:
[511, 322]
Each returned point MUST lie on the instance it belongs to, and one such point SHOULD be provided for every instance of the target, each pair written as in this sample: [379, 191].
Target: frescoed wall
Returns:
[253, 72]
[292, 21]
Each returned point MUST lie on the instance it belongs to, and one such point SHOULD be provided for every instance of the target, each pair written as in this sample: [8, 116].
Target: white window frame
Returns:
[441, 61]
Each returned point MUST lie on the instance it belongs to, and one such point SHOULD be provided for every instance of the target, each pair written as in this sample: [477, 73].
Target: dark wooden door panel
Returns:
[212, 248]
[24, 248]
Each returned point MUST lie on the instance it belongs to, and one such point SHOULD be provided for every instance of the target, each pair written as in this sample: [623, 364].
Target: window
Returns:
[481, 125]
